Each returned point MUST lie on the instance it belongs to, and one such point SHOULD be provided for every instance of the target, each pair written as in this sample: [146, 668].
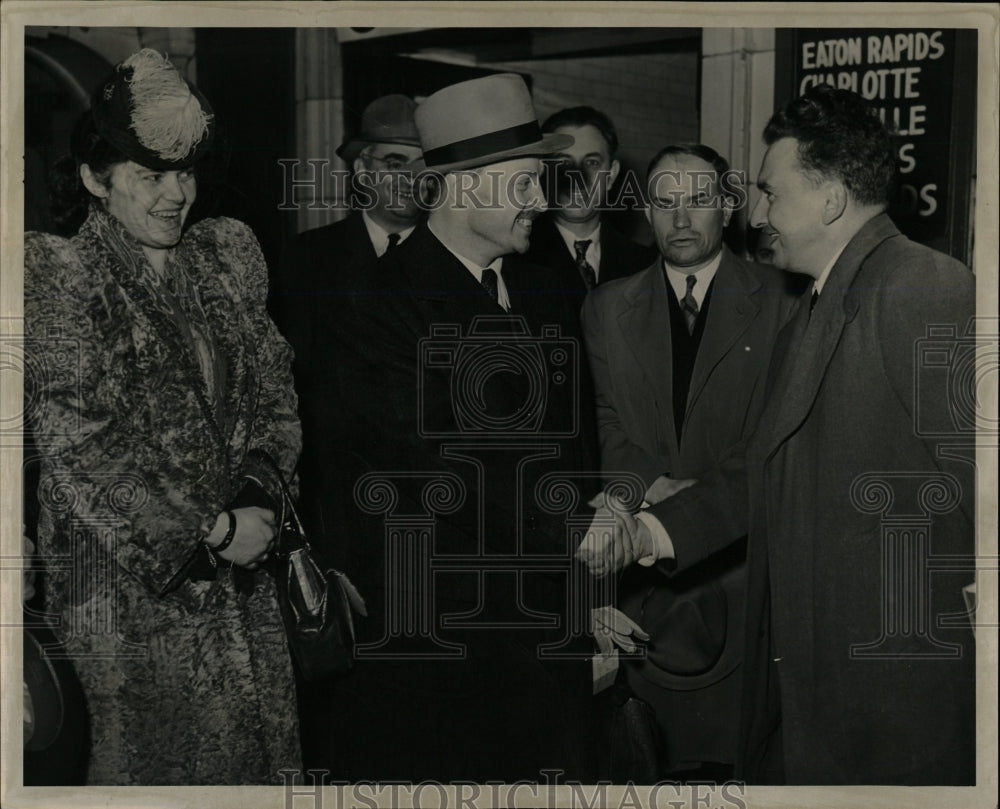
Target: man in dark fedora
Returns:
[461, 397]
[317, 270]
[320, 265]
[317, 265]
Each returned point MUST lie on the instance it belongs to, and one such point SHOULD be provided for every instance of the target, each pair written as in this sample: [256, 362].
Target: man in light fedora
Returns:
[461, 381]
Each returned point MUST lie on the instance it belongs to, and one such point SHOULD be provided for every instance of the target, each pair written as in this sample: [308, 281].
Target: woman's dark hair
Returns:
[69, 198]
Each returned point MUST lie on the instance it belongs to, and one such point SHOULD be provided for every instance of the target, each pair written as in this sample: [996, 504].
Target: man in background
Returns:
[679, 352]
[320, 264]
[574, 238]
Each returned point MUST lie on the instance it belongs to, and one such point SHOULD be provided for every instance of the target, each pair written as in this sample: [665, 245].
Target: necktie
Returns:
[586, 271]
[489, 282]
[689, 305]
[393, 241]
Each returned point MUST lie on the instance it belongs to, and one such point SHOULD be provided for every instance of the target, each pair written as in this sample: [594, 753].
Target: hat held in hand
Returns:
[482, 121]
[388, 119]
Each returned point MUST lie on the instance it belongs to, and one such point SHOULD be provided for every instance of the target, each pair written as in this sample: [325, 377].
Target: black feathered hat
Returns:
[147, 111]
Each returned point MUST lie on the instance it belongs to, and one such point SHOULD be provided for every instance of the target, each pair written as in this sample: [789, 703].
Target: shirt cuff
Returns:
[663, 548]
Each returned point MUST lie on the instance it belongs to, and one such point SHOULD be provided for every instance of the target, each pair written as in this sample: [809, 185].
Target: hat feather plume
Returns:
[166, 116]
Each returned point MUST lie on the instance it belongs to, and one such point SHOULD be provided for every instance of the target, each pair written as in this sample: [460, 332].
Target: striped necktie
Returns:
[689, 305]
[586, 271]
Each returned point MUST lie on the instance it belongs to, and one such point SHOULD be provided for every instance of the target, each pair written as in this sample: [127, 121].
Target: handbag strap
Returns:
[287, 503]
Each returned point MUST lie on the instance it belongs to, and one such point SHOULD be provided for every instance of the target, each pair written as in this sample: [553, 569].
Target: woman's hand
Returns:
[253, 540]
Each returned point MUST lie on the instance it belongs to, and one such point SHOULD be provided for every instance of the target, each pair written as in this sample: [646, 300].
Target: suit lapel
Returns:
[358, 241]
[731, 311]
[816, 337]
[645, 329]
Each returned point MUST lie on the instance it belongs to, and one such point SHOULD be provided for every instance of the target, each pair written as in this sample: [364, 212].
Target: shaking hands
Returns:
[616, 537]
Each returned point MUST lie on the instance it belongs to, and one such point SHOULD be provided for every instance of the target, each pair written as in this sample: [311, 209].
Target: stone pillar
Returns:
[737, 97]
[319, 124]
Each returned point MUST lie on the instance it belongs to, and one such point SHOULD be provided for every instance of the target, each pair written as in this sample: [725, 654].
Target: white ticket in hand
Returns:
[605, 669]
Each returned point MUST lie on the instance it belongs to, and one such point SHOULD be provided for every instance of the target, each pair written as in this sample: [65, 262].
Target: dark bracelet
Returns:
[227, 540]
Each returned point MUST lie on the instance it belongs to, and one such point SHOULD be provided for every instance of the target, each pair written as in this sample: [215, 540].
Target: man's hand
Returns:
[664, 487]
[611, 627]
[615, 538]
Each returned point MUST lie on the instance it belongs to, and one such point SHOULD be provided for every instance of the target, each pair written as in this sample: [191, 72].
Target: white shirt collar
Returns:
[704, 276]
[379, 236]
[820, 282]
[593, 253]
[477, 272]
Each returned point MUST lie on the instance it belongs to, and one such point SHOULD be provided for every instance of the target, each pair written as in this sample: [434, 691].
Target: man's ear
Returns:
[649, 213]
[836, 201]
[613, 173]
[92, 184]
[727, 209]
[358, 165]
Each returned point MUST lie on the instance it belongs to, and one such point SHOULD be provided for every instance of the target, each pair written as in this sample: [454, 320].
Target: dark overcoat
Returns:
[460, 424]
[860, 490]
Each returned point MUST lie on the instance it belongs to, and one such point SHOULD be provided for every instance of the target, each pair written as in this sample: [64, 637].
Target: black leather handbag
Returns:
[316, 604]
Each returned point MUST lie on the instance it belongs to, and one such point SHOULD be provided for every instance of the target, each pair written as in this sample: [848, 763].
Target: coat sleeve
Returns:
[926, 340]
[708, 516]
[294, 301]
[92, 486]
[276, 425]
[618, 452]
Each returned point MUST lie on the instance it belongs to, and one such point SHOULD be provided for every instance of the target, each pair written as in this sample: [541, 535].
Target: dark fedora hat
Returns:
[482, 121]
[694, 632]
[388, 119]
[147, 111]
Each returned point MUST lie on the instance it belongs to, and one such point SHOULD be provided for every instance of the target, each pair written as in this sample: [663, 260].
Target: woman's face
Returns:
[152, 205]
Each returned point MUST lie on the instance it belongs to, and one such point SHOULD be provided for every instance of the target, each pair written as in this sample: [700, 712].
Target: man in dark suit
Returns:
[857, 484]
[456, 374]
[321, 266]
[318, 265]
[573, 238]
[678, 353]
